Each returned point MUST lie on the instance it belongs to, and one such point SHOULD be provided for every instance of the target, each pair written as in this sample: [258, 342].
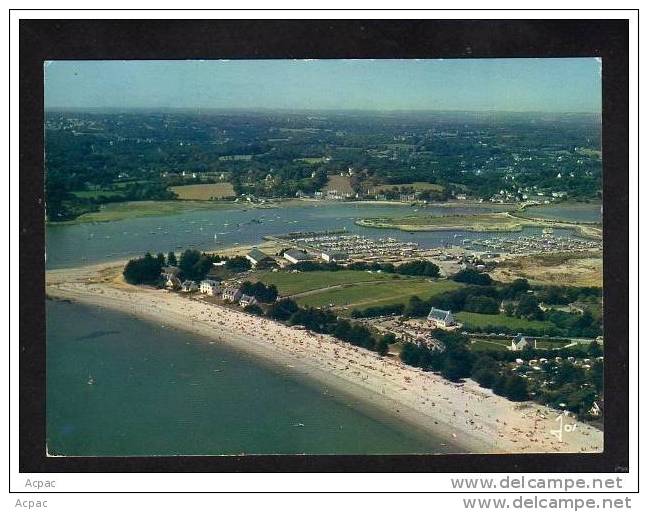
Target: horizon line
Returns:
[321, 109]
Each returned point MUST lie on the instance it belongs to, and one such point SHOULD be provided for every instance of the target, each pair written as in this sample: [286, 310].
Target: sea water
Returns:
[121, 386]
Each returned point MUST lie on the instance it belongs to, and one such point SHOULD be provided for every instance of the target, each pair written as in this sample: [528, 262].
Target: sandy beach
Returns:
[464, 414]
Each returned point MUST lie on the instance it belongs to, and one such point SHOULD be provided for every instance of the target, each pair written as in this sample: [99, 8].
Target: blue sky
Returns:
[546, 85]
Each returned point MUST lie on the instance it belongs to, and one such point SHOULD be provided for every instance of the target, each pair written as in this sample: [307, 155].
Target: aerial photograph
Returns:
[399, 256]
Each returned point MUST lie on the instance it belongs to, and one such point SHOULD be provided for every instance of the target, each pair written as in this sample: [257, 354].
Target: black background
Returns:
[253, 39]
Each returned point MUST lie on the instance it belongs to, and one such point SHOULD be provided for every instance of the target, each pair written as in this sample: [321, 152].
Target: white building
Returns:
[441, 318]
[210, 287]
[520, 342]
[295, 256]
[170, 276]
[334, 256]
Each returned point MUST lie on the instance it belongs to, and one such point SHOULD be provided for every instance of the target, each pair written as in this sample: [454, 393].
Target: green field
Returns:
[132, 209]
[419, 186]
[235, 157]
[595, 153]
[503, 344]
[485, 345]
[352, 289]
[94, 194]
[311, 160]
[289, 284]
[364, 295]
[478, 321]
[550, 344]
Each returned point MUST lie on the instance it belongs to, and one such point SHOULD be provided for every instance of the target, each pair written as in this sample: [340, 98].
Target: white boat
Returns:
[91, 380]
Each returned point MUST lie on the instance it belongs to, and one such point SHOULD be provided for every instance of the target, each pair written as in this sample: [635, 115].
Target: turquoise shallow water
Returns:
[158, 391]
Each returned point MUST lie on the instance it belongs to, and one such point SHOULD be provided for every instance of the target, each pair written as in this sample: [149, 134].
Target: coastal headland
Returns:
[463, 413]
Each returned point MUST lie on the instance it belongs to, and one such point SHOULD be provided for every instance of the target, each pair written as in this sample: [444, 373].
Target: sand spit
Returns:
[465, 414]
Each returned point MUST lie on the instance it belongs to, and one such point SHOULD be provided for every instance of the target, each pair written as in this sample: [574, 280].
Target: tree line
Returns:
[411, 268]
[192, 264]
[260, 291]
[562, 384]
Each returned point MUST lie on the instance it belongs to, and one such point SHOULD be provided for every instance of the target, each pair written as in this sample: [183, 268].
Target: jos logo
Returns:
[563, 426]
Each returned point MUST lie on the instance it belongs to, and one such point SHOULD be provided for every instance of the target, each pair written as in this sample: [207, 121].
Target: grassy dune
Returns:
[578, 269]
[483, 222]
[133, 209]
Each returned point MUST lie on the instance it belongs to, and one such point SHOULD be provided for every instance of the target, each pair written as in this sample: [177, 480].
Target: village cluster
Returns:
[310, 247]
[325, 247]
[210, 286]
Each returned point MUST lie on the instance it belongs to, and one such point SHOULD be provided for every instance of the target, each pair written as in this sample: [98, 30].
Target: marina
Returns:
[353, 247]
[70, 245]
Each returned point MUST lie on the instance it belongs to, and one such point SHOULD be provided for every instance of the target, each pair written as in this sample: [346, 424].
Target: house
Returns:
[173, 283]
[295, 256]
[247, 300]
[189, 286]
[210, 287]
[255, 256]
[334, 256]
[441, 318]
[170, 275]
[169, 272]
[232, 294]
[520, 342]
